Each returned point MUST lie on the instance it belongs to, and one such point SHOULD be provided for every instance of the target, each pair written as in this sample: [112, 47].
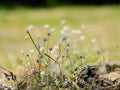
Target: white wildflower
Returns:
[33, 70]
[27, 64]
[78, 31]
[42, 73]
[75, 52]
[63, 22]
[46, 26]
[82, 37]
[73, 31]
[22, 51]
[65, 28]
[56, 46]
[93, 40]
[52, 29]
[30, 28]
[42, 48]
[83, 26]
[38, 45]
[62, 32]
[52, 52]
[32, 51]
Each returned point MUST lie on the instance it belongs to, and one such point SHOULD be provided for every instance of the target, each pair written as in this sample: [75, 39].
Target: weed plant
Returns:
[56, 67]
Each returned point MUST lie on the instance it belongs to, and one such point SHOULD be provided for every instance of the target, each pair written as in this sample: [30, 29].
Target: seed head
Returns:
[38, 61]
[49, 34]
[30, 28]
[42, 73]
[65, 84]
[64, 37]
[67, 48]
[50, 49]
[33, 71]
[27, 55]
[38, 45]
[44, 39]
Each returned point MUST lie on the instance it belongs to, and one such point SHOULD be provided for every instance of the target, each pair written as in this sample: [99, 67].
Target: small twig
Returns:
[4, 69]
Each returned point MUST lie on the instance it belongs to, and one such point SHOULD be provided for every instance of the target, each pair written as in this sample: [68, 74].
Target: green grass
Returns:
[103, 22]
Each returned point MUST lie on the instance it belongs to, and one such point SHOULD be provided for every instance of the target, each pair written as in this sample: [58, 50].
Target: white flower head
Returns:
[78, 31]
[82, 37]
[53, 29]
[32, 51]
[22, 51]
[42, 48]
[73, 31]
[65, 28]
[62, 32]
[42, 73]
[63, 22]
[30, 28]
[93, 40]
[33, 70]
[83, 26]
[46, 26]
[27, 64]
[53, 51]
[6, 88]
[75, 52]
[38, 45]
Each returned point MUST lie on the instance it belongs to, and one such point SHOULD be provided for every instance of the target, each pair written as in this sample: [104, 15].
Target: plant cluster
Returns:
[53, 68]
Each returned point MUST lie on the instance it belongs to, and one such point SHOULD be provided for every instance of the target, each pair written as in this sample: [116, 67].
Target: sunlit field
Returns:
[93, 32]
[102, 22]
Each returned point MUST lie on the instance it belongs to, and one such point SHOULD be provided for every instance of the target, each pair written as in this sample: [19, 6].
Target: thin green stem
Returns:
[33, 42]
[71, 64]
[47, 44]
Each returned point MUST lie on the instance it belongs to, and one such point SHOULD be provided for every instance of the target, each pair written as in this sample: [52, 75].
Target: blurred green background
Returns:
[102, 22]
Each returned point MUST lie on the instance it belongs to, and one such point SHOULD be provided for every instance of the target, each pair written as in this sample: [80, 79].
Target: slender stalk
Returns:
[60, 47]
[70, 61]
[4, 69]
[30, 61]
[33, 42]
[47, 44]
